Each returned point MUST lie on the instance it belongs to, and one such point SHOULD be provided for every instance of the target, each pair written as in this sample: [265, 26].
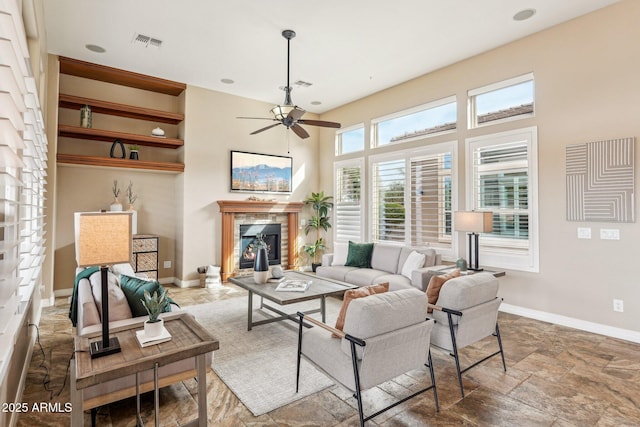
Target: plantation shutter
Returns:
[431, 201]
[501, 185]
[348, 203]
[388, 181]
[23, 148]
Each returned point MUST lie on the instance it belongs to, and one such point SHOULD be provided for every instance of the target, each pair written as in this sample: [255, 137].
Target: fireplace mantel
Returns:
[229, 208]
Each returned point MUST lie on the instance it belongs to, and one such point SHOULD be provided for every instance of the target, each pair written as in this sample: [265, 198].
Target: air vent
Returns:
[302, 83]
[146, 41]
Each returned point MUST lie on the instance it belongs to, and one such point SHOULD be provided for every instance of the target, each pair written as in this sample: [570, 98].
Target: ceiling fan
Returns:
[288, 114]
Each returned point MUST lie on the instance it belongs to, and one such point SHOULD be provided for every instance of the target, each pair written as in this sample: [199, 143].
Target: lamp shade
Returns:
[281, 112]
[473, 221]
[102, 238]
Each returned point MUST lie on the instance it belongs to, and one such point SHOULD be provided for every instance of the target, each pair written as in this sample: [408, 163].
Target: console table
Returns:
[189, 339]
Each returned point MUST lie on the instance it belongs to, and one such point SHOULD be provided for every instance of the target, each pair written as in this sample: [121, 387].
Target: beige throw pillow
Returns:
[357, 293]
[435, 284]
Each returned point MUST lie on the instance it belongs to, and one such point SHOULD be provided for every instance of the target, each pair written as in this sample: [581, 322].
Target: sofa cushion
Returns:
[414, 261]
[118, 305]
[134, 287]
[359, 255]
[337, 273]
[352, 294]
[364, 276]
[340, 251]
[385, 257]
[396, 281]
[435, 284]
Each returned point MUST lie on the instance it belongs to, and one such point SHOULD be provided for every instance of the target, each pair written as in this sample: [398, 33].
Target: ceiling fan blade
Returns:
[297, 129]
[320, 123]
[265, 128]
[258, 118]
[296, 113]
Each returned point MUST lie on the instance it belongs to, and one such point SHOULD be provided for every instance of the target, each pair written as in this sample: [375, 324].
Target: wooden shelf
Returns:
[74, 159]
[110, 136]
[111, 108]
[103, 73]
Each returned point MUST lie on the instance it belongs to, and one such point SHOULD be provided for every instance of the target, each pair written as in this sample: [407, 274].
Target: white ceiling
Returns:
[347, 49]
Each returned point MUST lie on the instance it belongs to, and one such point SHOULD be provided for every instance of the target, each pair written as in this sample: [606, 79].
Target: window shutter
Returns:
[388, 180]
[348, 203]
[431, 201]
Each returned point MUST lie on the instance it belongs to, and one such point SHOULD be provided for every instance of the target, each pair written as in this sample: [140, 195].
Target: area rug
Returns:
[259, 366]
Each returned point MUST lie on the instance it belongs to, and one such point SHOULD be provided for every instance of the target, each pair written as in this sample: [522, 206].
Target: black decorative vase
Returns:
[261, 266]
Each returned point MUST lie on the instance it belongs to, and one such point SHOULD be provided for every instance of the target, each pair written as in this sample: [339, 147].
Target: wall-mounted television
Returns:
[261, 173]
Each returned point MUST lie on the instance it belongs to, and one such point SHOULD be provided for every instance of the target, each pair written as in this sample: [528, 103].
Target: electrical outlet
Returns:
[618, 305]
[167, 264]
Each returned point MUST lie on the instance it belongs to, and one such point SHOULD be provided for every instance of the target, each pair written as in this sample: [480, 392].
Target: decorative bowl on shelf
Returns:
[157, 132]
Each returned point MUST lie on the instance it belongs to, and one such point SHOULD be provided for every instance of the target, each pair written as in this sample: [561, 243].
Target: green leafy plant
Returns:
[154, 304]
[134, 147]
[319, 221]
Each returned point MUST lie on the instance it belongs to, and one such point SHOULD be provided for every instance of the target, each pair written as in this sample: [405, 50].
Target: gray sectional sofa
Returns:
[387, 262]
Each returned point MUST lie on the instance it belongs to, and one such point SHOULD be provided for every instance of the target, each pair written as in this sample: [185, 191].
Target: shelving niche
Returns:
[119, 77]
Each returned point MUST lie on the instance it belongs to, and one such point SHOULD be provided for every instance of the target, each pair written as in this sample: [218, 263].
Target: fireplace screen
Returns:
[271, 234]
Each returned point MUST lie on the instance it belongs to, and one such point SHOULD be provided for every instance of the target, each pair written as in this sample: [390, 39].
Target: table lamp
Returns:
[102, 239]
[473, 222]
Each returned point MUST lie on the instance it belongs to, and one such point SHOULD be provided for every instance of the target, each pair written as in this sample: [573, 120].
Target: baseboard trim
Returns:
[583, 325]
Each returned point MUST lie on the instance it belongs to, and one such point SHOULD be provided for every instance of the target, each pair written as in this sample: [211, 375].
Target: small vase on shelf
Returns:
[115, 206]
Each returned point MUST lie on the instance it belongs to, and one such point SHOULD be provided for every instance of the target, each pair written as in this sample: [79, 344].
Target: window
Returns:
[350, 140]
[348, 201]
[503, 180]
[430, 119]
[507, 100]
[412, 197]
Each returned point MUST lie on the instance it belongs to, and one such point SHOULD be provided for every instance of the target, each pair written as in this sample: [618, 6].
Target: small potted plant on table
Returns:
[154, 304]
[318, 221]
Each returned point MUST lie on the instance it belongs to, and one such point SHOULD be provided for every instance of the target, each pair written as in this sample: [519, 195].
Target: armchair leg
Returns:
[356, 378]
[433, 383]
[301, 316]
[455, 353]
[504, 365]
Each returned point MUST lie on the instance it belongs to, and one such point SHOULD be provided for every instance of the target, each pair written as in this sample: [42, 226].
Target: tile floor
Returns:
[555, 376]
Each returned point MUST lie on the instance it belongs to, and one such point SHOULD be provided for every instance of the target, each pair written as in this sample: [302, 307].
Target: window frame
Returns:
[338, 139]
[504, 252]
[373, 133]
[409, 155]
[357, 162]
[472, 94]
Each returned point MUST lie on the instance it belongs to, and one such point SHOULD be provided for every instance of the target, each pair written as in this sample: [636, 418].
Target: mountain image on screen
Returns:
[261, 177]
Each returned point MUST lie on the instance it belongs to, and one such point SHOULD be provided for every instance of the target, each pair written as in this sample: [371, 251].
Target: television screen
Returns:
[260, 173]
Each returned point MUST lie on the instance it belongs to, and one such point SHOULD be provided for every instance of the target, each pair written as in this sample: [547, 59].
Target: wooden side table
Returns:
[189, 339]
[144, 258]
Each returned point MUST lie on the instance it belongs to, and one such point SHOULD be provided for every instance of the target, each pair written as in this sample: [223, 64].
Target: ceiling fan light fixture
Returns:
[280, 112]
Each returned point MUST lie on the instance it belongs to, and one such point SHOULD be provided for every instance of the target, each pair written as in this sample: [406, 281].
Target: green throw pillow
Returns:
[359, 255]
[134, 287]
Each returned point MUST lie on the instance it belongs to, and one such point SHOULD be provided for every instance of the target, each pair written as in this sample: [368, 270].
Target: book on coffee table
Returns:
[290, 285]
[147, 341]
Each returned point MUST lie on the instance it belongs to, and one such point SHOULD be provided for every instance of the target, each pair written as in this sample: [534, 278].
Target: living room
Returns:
[586, 90]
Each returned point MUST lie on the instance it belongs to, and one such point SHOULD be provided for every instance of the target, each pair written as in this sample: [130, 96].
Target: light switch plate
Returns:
[584, 232]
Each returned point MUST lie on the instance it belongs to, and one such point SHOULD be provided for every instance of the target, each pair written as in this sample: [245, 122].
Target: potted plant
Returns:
[116, 205]
[318, 221]
[131, 196]
[133, 151]
[154, 304]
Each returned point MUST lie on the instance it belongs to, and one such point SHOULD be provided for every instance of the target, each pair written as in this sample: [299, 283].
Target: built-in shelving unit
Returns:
[102, 73]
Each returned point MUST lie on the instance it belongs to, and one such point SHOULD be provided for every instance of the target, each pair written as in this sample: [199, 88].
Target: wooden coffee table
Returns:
[320, 289]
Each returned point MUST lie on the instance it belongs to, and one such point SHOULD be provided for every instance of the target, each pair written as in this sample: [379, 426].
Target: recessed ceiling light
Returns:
[316, 102]
[524, 14]
[95, 48]
[227, 81]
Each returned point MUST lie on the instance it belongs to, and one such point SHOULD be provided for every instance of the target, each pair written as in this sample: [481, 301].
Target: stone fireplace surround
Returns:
[236, 212]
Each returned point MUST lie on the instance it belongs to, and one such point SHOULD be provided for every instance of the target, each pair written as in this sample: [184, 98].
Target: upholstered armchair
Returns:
[466, 311]
[384, 335]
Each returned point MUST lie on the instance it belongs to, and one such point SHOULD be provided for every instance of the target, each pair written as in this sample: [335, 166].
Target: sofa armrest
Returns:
[420, 278]
[327, 259]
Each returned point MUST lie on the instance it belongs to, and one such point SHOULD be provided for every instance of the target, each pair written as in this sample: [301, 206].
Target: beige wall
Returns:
[587, 89]
[212, 130]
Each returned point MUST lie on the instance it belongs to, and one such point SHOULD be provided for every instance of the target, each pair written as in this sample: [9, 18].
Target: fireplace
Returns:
[271, 234]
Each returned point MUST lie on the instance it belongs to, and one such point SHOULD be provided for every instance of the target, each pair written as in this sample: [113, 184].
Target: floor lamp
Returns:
[102, 239]
[473, 222]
